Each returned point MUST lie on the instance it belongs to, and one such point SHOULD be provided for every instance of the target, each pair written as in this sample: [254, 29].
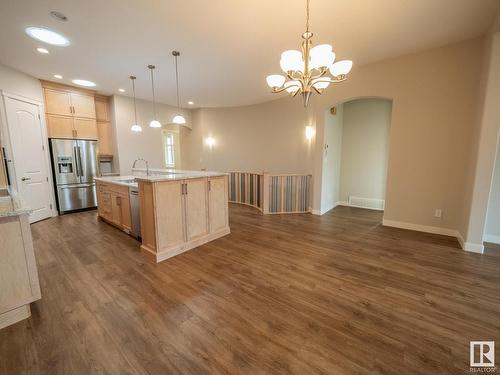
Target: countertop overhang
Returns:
[158, 175]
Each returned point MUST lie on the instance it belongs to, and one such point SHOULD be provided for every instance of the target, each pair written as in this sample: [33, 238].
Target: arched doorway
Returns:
[356, 153]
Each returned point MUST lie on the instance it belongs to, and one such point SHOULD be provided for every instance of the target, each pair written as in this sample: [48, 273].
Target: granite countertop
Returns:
[11, 203]
[118, 180]
[156, 175]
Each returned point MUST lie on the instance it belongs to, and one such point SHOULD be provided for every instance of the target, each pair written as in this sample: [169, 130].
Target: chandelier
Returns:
[307, 70]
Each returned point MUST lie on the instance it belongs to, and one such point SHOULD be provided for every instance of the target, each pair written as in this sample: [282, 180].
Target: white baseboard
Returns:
[467, 246]
[322, 211]
[422, 228]
[491, 238]
[473, 247]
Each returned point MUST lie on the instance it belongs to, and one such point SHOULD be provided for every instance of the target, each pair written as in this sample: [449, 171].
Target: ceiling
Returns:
[227, 47]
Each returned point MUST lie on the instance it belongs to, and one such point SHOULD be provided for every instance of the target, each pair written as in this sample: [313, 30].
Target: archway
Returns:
[356, 153]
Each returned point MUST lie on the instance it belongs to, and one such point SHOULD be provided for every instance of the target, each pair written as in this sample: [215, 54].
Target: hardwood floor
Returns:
[297, 294]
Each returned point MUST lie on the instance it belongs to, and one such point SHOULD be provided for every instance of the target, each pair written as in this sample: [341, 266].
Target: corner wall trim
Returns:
[467, 246]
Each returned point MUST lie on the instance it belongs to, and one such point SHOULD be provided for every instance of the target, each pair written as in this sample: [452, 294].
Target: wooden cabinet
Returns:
[179, 215]
[67, 103]
[60, 126]
[105, 138]
[71, 127]
[170, 211]
[217, 203]
[85, 128]
[113, 205]
[196, 208]
[102, 108]
[83, 105]
[19, 285]
[58, 102]
[104, 130]
[71, 112]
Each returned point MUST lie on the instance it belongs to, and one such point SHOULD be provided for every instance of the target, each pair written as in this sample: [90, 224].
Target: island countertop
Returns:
[157, 175]
[165, 175]
[11, 204]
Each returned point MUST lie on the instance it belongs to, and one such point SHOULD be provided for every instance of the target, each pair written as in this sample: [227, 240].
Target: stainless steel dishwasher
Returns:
[133, 193]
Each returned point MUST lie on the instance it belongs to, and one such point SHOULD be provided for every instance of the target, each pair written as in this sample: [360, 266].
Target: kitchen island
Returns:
[179, 210]
[19, 284]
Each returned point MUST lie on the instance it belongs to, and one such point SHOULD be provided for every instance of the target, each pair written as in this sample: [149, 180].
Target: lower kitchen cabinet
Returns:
[19, 285]
[179, 215]
[113, 205]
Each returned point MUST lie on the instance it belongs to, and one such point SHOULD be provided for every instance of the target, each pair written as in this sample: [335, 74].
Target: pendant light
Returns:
[178, 119]
[135, 127]
[154, 123]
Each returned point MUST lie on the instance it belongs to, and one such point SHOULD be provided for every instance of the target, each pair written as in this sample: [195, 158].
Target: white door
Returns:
[29, 156]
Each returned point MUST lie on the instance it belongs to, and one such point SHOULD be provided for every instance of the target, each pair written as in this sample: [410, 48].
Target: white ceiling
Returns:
[227, 47]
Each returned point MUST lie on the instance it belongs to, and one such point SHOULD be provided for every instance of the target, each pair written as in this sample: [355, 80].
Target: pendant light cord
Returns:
[151, 68]
[177, 79]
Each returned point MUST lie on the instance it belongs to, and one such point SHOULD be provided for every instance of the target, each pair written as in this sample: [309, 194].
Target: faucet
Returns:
[145, 161]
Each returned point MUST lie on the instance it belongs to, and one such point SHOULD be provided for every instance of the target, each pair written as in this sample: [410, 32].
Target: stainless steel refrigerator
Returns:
[75, 166]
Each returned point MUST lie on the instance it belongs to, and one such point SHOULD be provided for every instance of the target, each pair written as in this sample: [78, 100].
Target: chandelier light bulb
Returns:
[320, 85]
[291, 60]
[275, 80]
[322, 56]
[342, 67]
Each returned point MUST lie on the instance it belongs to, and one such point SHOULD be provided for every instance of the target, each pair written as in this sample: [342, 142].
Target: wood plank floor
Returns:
[298, 294]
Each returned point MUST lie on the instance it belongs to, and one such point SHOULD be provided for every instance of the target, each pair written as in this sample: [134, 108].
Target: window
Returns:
[169, 150]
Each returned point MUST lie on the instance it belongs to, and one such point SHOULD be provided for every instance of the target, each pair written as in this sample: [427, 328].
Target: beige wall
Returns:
[147, 144]
[15, 82]
[265, 137]
[365, 148]
[332, 152]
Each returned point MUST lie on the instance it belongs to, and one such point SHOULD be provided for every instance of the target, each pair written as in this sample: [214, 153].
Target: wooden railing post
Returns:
[265, 193]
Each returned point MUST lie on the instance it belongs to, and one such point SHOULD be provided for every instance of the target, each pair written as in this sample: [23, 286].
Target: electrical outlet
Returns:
[437, 212]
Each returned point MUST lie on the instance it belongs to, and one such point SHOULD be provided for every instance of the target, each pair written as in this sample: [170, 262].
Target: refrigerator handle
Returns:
[77, 161]
[80, 160]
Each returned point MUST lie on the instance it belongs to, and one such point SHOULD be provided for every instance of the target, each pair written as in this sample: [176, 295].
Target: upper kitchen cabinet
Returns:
[57, 102]
[104, 129]
[83, 105]
[102, 108]
[71, 112]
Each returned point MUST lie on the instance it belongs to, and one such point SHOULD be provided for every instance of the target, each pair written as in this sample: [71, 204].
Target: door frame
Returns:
[5, 136]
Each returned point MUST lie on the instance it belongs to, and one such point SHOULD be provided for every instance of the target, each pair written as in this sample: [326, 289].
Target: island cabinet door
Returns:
[169, 210]
[116, 210]
[195, 195]
[217, 203]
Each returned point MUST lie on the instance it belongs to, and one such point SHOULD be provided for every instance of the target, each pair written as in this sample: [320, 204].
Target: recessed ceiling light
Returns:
[47, 36]
[190, 103]
[121, 90]
[58, 76]
[83, 82]
[42, 50]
